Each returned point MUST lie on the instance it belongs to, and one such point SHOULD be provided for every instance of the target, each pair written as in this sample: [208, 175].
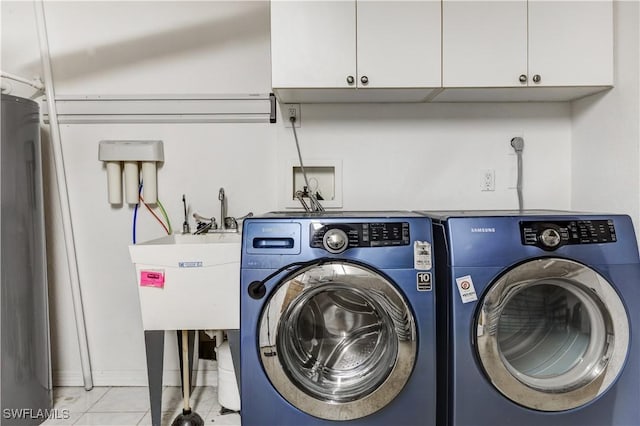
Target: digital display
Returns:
[386, 232]
[571, 232]
[365, 234]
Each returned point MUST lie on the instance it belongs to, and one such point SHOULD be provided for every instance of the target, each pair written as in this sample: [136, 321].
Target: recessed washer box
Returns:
[324, 176]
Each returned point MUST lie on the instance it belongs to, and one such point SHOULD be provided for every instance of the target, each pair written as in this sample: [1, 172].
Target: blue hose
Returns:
[135, 214]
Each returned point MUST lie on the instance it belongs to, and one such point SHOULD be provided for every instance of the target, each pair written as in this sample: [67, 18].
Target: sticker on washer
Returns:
[422, 255]
[466, 289]
[424, 281]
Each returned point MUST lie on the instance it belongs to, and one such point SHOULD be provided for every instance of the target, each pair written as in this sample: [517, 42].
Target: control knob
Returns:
[335, 241]
[550, 238]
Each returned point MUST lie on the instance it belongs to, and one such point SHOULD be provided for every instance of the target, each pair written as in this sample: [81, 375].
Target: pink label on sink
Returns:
[152, 279]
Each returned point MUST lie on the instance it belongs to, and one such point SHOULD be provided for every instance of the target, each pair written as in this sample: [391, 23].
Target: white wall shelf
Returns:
[251, 108]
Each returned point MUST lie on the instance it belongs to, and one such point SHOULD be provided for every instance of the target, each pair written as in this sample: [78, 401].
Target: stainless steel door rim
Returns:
[338, 341]
[546, 335]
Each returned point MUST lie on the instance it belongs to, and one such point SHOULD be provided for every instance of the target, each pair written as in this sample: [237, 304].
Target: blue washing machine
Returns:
[542, 312]
[337, 319]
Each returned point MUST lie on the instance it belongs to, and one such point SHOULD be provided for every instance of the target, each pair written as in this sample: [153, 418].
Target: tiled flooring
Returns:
[129, 406]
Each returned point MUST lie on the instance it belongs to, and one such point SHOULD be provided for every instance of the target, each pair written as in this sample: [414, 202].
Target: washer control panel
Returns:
[337, 237]
[554, 234]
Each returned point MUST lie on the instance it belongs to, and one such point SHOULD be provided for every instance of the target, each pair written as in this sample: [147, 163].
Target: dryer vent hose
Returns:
[518, 146]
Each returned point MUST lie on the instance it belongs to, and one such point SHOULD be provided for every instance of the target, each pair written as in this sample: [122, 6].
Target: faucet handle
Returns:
[209, 222]
[230, 223]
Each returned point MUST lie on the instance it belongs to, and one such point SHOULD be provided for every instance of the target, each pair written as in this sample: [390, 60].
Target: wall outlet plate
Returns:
[488, 180]
[291, 110]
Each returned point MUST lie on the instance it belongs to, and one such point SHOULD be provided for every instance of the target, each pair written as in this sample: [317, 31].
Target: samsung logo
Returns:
[483, 230]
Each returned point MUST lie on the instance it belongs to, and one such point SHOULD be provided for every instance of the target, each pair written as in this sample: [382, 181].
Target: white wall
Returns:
[430, 156]
[606, 129]
[409, 156]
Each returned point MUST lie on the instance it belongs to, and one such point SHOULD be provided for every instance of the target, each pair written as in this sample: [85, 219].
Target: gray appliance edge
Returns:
[25, 374]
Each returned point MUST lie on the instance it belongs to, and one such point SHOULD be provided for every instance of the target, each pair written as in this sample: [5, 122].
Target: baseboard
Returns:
[207, 375]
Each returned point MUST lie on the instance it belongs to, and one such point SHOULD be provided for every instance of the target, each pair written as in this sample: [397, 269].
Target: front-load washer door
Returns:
[337, 340]
[552, 334]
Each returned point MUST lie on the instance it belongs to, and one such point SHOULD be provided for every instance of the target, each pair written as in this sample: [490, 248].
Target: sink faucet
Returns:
[223, 208]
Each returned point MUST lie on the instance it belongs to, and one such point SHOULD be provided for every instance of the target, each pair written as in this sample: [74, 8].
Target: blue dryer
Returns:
[337, 320]
[542, 313]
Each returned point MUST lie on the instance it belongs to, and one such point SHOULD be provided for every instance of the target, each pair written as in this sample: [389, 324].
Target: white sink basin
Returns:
[189, 281]
[212, 237]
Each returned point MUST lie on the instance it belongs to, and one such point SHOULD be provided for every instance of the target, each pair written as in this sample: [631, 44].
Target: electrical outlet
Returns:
[291, 110]
[488, 180]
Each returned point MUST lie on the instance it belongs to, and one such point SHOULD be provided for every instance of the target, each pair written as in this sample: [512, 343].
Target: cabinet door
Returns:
[484, 43]
[398, 43]
[313, 43]
[571, 42]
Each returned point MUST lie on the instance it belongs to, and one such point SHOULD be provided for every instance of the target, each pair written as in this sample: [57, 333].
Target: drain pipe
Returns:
[63, 196]
[35, 83]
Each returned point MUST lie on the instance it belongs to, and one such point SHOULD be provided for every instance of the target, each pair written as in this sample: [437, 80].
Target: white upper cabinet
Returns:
[349, 44]
[313, 43]
[498, 45]
[398, 43]
[484, 43]
[443, 51]
[571, 43]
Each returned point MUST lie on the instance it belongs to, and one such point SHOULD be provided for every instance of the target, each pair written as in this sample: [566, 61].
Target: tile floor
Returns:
[129, 406]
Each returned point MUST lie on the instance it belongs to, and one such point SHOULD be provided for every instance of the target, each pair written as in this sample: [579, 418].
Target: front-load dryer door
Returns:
[552, 334]
[337, 340]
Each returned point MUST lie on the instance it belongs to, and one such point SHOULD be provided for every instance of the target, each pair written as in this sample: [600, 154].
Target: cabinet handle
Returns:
[523, 78]
[536, 78]
[350, 79]
[364, 79]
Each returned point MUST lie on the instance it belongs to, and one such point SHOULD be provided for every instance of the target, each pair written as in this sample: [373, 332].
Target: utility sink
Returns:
[189, 282]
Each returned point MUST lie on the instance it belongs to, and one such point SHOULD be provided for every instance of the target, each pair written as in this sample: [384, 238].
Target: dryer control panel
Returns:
[337, 237]
[553, 234]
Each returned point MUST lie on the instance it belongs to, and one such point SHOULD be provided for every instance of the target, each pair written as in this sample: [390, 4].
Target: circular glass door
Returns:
[552, 334]
[337, 340]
